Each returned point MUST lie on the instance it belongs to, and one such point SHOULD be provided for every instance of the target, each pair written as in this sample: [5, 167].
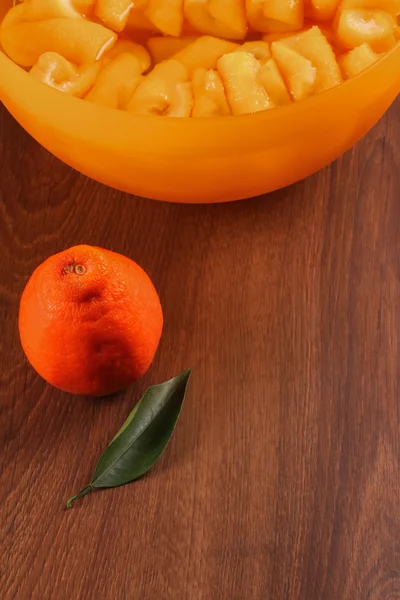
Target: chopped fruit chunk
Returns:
[59, 73]
[314, 46]
[284, 15]
[117, 82]
[166, 15]
[162, 48]
[84, 7]
[259, 49]
[326, 31]
[298, 72]
[276, 37]
[204, 53]
[272, 16]
[273, 83]
[321, 10]
[390, 6]
[222, 18]
[158, 93]
[209, 98]
[124, 46]
[139, 21]
[189, 30]
[323, 27]
[182, 101]
[38, 10]
[357, 60]
[113, 13]
[239, 72]
[78, 40]
[375, 27]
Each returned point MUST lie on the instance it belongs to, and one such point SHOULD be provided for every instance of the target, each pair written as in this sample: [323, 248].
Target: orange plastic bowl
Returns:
[200, 160]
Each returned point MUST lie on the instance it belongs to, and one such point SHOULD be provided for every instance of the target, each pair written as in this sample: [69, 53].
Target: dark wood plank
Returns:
[282, 480]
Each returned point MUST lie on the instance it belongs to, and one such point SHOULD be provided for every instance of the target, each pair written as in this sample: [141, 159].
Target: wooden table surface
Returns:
[282, 479]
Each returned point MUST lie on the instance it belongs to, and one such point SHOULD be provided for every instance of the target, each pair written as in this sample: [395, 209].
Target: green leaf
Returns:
[143, 437]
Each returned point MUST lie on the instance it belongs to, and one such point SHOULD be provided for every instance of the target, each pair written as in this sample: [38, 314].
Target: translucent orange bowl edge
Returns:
[201, 160]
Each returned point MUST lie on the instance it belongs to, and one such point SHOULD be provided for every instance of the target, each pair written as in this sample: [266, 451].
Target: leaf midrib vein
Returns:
[131, 443]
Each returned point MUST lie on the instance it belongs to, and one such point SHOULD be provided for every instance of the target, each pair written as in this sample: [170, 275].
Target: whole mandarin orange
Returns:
[90, 321]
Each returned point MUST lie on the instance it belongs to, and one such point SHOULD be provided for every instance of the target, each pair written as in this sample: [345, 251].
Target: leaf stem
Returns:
[83, 492]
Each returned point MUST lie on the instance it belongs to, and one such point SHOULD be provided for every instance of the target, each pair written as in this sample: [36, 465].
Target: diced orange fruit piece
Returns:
[113, 13]
[375, 27]
[204, 53]
[273, 83]
[38, 10]
[282, 15]
[188, 30]
[276, 37]
[209, 98]
[166, 15]
[54, 70]
[313, 45]
[78, 40]
[57, 72]
[271, 16]
[46, 9]
[357, 60]
[117, 82]
[139, 21]
[324, 28]
[390, 6]
[239, 72]
[259, 49]
[159, 92]
[321, 10]
[182, 101]
[162, 48]
[123, 46]
[84, 7]
[220, 18]
[298, 72]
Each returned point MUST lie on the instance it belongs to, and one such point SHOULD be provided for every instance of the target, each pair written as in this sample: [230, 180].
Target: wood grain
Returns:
[282, 480]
